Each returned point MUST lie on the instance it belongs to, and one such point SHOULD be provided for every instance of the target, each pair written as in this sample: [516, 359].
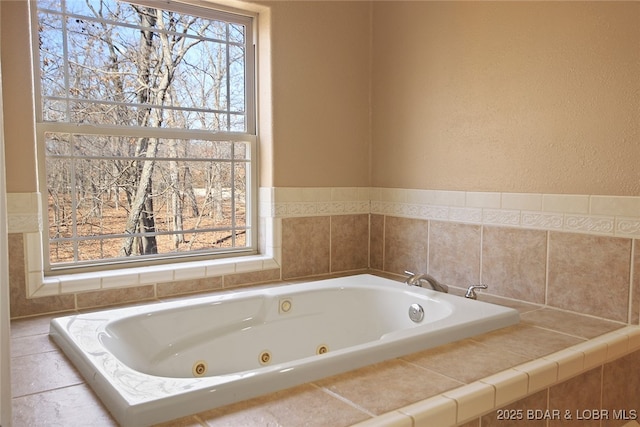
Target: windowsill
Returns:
[137, 276]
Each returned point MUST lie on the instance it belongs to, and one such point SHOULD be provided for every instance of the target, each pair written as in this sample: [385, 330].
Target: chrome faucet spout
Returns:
[417, 279]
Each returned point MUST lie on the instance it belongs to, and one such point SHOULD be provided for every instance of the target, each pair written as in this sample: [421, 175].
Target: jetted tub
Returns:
[161, 361]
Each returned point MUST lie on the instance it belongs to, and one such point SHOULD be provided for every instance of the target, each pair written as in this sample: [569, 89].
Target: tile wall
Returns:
[576, 253]
[578, 272]
[566, 403]
[313, 246]
[573, 252]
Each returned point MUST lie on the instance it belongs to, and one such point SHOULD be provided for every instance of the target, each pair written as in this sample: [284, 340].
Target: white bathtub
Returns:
[157, 362]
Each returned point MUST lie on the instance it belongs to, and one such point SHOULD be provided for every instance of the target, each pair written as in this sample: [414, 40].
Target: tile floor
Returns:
[48, 391]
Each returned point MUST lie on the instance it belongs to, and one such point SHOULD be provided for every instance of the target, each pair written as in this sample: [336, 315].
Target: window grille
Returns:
[146, 135]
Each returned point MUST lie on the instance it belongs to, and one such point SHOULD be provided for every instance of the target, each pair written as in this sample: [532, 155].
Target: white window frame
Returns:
[250, 136]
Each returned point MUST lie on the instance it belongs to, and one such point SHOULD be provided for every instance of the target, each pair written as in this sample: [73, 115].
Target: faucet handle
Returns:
[471, 293]
[411, 277]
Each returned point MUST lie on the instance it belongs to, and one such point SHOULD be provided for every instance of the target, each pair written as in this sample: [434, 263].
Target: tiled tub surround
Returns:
[577, 253]
[512, 241]
[140, 359]
[577, 272]
[552, 360]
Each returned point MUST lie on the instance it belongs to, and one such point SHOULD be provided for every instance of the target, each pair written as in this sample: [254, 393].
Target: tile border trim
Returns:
[471, 401]
[592, 214]
[600, 215]
[617, 216]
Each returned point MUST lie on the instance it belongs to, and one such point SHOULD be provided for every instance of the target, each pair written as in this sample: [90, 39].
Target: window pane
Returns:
[195, 187]
[236, 78]
[133, 191]
[60, 252]
[139, 66]
[236, 33]
[59, 198]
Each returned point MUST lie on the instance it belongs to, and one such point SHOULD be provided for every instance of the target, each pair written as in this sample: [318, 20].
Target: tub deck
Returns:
[47, 388]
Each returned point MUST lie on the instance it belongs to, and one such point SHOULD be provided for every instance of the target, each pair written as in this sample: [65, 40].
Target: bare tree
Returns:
[143, 67]
[155, 81]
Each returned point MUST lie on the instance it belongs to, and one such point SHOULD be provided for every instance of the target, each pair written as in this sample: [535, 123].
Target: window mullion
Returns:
[65, 60]
[137, 131]
[74, 200]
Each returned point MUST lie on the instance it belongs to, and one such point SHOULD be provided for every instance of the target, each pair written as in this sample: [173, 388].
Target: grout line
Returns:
[592, 316]
[435, 372]
[330, 237]
[49, 390]
[344, 400]
[546, 269]
[428, 266]
[384, 242]
[480, 270]
[199, 420]
[632, 273]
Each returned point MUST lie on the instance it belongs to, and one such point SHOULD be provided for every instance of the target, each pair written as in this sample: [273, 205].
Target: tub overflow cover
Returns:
[416, 313]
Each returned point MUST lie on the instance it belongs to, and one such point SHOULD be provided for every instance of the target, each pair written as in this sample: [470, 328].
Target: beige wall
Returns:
[17, 98]
[478, 96]
[507, 96]
[320, 66]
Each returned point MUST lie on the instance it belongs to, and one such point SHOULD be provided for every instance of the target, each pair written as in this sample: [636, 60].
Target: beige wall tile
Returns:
[349, 242]
[454, 253]
[615, 205]
[620, 386]
[472, 423]
[188, 286]
[114, 296]
[21, 306]
[514, 263]
[405, 245]
[576, 395]
[567, 203]
[478, 199]
[589, 274]
[522, 201]
[376, 244]
[250, 278]
[504, 418]
[305, 246]
[635, 303]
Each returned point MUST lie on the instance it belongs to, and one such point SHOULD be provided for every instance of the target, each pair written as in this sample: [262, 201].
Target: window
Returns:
[146, 131]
